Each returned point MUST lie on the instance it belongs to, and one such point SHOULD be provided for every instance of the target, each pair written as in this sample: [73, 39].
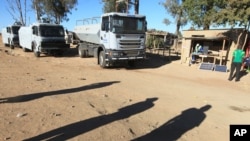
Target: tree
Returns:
[234, 13]
[200, 12]
[175, 8]
[17, 10]
[114, 6]
[56, 10]
[121, 6]
[136, 6]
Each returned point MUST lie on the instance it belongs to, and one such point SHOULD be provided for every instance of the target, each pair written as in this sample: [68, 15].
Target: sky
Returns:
[154, 11]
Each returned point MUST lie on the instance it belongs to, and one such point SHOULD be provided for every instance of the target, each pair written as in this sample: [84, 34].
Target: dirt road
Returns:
[70, 98]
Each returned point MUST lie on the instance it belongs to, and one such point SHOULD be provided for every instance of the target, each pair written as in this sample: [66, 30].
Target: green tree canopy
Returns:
[233, 13]
[121, 6]
[56, 10]
[175, 9]
[201, 12]
[114, 6]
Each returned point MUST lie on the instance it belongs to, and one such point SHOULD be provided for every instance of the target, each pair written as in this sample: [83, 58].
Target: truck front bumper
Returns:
[114, 55]
[50, 46]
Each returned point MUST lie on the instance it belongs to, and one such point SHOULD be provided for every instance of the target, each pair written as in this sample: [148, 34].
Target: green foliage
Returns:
[155, 38]
[201, 12]
[121, 6]
[150, 42]
[204, 13]
[113, 6]
[57, 10]
[175, 9]
[233, 13]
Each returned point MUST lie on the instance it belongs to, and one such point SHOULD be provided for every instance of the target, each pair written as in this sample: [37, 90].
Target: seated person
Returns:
[246, 62]
[198, 48]
[197, 51]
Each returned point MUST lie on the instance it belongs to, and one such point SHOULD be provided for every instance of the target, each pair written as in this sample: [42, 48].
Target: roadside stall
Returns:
[216, 47]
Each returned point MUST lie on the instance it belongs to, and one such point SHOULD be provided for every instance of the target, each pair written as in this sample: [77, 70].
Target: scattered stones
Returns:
[240, 109]
[7, 138]
[40, 79]
[82, 79]
[131, 131]
[55, 114]
[21, 115]
[93, 106]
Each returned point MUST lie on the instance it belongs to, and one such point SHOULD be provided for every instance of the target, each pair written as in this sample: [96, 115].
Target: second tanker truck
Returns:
[111, 38]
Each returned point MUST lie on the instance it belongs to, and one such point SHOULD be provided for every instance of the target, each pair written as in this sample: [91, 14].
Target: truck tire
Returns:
[12, 45]
[25, 49]
[82, 53]
[36, 53]
[102, 58]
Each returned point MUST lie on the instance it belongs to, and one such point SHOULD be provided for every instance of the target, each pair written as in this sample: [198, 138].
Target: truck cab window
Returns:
[105, 24]
[128, 25]
[35, 31]
[15, 29]
[8, 30]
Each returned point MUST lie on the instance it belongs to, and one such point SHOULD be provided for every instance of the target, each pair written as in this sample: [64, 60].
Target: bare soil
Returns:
[72, 98]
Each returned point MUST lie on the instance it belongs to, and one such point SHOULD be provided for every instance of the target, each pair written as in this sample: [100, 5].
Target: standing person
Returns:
[238, 56]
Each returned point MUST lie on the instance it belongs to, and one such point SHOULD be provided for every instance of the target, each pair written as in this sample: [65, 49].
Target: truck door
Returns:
[104, 34]
[34, 38]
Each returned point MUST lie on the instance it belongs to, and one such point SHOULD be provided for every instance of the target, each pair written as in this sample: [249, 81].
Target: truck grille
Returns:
[130, 43]
[53, 44]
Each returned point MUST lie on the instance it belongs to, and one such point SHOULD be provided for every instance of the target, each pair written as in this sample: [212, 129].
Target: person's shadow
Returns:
[29, 97]
[74, 129]
[177, 126]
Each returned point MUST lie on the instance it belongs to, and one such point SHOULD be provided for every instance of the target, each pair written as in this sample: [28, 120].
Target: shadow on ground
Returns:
[174, 128]
[75, 129]
[29, 97]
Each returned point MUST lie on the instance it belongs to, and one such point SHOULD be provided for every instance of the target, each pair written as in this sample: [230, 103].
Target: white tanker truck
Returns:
[43, 37]
[10, 35]
[117, 37]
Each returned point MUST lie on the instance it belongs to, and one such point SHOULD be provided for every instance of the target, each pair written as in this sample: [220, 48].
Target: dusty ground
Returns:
[70, 98]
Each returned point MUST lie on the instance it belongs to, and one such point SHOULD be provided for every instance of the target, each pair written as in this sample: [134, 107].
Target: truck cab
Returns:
[118, 37]
[10, 35]
[43, 38]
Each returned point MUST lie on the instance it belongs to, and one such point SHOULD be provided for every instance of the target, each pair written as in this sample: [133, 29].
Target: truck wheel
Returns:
[12, 45]
[82, 53]
[37, 54]
[25, 49]
[102, 58]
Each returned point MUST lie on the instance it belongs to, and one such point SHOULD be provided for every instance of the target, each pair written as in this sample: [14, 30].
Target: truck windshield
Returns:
[51, 31]
[128, 25]
[15, 29]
